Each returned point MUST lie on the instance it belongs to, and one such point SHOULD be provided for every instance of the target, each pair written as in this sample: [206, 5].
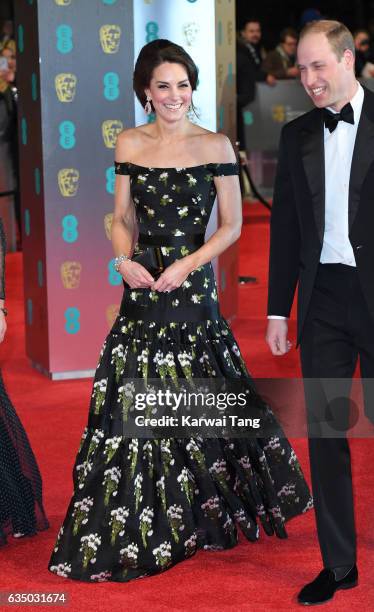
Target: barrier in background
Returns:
[264, 118]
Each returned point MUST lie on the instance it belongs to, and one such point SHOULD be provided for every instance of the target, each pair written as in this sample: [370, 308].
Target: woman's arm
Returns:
[124, 226]
[230, 222]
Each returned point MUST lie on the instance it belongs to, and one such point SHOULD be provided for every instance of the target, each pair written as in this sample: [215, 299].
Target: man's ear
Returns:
[348, 58]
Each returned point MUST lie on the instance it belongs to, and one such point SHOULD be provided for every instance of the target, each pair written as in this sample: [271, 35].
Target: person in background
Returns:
[250, 38]
[6, 32]
[364, 66]
[9, 131]
[249, 57]
[280, 62]
[21, 506]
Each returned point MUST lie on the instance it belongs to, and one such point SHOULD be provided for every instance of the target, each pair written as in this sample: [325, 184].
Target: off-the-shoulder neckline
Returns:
[178, 167]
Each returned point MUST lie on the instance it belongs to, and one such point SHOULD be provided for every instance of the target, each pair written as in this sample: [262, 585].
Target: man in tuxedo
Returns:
[322, 238]
[249, 57]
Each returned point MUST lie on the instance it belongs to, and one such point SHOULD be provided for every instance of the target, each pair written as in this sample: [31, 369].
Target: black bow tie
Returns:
[332, 119]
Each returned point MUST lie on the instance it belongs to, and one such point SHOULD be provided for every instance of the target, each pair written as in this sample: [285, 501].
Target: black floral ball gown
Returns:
[142, 505]
[21, 507]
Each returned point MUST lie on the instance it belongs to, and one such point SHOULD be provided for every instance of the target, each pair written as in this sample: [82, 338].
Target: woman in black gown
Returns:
[141, 505]
[21, 507]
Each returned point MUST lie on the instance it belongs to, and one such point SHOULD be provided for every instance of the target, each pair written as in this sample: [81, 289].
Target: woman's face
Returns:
[170, 91]
[11, 57]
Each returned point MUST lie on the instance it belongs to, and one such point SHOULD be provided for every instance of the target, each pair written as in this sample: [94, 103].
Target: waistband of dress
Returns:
[169, 314]
[169, 240]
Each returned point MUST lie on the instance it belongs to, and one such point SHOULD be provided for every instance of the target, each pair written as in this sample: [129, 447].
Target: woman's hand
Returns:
[135, 275]
[2, 326]
[173, 276]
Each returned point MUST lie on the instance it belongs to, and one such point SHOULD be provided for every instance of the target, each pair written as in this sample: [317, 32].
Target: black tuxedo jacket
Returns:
[298, 214]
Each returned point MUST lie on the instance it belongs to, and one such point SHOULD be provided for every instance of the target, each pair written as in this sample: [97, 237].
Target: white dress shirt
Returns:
[339, 145]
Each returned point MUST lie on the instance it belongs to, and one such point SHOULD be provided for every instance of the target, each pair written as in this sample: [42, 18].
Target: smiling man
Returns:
[321, 237]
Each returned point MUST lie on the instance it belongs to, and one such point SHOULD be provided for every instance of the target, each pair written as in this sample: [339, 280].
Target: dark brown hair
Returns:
[290, 32]
[152, 55]
[338, 35]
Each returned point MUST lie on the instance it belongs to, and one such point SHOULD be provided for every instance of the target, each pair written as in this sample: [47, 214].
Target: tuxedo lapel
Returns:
[363, 154]
[313, 156]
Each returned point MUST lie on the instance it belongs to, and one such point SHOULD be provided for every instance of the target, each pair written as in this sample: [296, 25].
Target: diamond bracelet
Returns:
[118, 260]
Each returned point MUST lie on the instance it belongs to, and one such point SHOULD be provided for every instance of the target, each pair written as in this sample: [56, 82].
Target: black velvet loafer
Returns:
[323, 588]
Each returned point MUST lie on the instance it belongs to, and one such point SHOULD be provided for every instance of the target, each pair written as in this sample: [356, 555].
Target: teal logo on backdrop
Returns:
[191, 1]
[64, 42]
[109, 1]
[40, 273]
[114, 277]
[29, 311]
[72, 322]
[34, 86]
[152, 31]
[248, 117]
[21, 40]
[230, 74]
[111, 86]
[27, 222]
[67, 134]
[221, 117]
[220, 33]
[110, 179]
[70, 228]
[37, 181]
[24, 131]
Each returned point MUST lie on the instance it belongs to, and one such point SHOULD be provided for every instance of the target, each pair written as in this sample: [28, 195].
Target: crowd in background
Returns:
[257, 64]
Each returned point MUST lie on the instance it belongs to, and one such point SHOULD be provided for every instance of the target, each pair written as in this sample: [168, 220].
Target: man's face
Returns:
[290, 45]
[252, 32]
[362, 41]
[326, 80]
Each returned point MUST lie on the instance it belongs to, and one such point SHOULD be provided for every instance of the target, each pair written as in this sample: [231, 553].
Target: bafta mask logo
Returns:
[220, 75]
[191, 31]
[63, 2]
[65, 85]
[110, 130]
[279, 113]
[68, 182]
[111, 314]
[110, 38]
[71, 274]
[230, 32]
[108, 219]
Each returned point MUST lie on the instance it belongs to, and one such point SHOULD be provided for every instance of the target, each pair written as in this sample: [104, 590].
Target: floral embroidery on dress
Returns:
[142, 505]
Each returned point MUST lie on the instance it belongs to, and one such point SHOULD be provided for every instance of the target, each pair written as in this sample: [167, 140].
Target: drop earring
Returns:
[148, 106]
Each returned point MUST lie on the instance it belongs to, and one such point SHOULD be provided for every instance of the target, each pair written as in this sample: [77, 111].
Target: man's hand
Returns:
[276, 336]
[271, 80]
[293, 72]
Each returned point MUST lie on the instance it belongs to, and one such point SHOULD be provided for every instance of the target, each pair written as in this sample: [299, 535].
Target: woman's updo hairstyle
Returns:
[152, 55]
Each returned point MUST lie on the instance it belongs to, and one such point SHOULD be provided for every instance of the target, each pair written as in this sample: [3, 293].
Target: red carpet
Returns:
[251, 577]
